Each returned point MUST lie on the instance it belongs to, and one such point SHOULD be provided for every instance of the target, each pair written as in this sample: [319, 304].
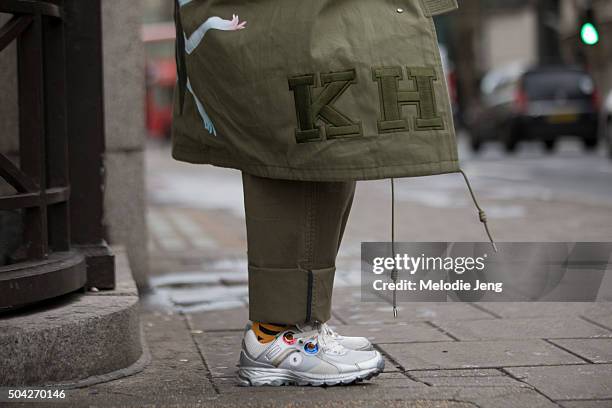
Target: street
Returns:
[438, 354]
[530, 195]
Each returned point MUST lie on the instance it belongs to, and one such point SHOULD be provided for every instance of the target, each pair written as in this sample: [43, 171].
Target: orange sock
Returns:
[267, 332]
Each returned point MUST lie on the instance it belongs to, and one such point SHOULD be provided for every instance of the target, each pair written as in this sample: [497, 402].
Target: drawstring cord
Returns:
[481, 214]
[394, 273]
[181, 66]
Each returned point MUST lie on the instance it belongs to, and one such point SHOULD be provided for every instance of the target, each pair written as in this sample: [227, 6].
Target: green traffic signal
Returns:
[589, 34]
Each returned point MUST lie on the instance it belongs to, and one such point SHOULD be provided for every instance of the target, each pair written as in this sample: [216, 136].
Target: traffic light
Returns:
[589, 34]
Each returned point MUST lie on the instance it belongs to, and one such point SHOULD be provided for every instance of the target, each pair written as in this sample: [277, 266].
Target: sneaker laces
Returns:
[331, 346]
[329, 331]
[323, 335]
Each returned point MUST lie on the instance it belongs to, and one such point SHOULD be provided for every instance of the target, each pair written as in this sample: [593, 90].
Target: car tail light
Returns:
[521, 100]
[596, 99]
[452, 84]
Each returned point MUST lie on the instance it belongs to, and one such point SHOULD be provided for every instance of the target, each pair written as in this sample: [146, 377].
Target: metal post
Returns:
[32, 133]
[86, 138]
[56, 138]
[549, 41]
[45, 266]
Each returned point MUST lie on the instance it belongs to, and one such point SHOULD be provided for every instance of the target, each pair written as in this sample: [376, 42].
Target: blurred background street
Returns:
[196, 216]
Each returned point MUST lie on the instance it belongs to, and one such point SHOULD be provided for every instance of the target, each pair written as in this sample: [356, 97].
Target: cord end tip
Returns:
[395, 312]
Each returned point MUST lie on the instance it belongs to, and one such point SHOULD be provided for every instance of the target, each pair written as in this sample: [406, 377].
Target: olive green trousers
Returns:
[294, 231]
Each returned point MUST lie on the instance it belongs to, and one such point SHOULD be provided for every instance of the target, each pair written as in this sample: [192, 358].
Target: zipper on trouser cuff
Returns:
[309, 297]
[290, 296]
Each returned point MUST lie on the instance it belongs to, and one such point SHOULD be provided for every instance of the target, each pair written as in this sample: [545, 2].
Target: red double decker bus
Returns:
[160, 77]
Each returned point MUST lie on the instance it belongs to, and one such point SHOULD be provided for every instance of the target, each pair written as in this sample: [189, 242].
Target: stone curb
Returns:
[75, 340]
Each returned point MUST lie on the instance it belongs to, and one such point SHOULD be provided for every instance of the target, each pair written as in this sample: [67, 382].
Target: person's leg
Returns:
[294, 231]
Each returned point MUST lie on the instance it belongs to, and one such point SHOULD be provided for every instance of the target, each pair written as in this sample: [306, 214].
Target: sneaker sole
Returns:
[276, 377]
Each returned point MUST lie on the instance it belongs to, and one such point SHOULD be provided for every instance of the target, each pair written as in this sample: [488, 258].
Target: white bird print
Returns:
[213, 23]
[192, 43]
[208, 124]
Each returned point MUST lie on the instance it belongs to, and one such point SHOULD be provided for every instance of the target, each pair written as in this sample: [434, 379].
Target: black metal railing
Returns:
[58, 180]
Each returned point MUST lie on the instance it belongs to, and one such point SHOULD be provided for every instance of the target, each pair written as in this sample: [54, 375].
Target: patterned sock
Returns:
[267, 332]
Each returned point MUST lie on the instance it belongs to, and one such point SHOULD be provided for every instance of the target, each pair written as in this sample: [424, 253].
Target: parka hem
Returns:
[220, 158]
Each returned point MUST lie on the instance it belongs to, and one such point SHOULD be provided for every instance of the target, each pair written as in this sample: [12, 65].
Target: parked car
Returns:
[160, 77]
[542, 103]
[606, 123]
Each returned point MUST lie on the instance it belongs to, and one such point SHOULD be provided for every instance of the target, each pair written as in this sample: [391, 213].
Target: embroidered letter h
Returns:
[393, 98]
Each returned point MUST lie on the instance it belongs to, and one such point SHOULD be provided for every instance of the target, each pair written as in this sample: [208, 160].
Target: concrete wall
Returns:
[125, 134]
[509, 37]
[157, 10]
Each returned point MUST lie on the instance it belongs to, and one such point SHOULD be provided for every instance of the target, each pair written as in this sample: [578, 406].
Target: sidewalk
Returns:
[438, 354]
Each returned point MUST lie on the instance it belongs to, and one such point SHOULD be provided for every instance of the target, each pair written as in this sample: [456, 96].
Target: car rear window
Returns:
[545, 85]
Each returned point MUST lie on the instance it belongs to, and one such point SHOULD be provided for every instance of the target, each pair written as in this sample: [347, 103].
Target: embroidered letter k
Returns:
[313, 103]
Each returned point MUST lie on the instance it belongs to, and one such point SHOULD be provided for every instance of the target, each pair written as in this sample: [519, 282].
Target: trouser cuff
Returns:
[290, 296]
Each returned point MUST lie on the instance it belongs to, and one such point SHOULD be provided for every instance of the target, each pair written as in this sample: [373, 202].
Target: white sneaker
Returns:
[304, 358]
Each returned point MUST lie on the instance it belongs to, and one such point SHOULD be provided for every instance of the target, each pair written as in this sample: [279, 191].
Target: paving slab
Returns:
[222, 320]
[590, 382]
[221, 350]
[176, 372]
[593, 350]
[531, 328]
[502, 397]
[398, 380]
[200, 295]
[479, 382]
[376, 313]
[468, 372]
[349, 296]
[407, 333]
[390, 366]
[375, 394]
[603, 320]
[478, 354]
[465, 378]
[384, 394]
[587, 404]
[547, 309]
[356, 403]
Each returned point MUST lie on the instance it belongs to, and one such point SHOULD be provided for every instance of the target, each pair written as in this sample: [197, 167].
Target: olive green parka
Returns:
[319, 90]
